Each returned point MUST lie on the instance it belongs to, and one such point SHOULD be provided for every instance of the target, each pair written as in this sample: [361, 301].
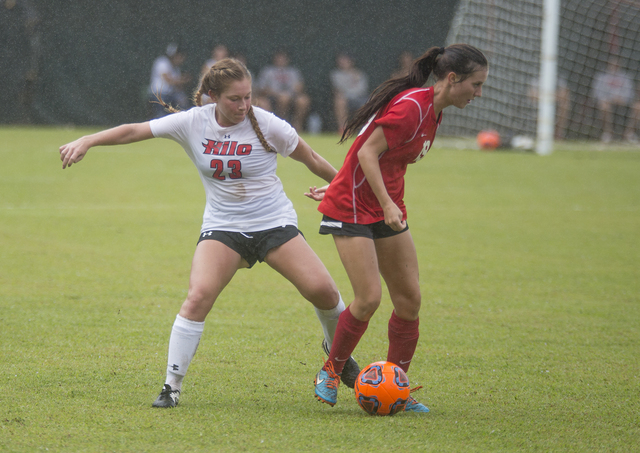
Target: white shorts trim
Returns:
[331, 224]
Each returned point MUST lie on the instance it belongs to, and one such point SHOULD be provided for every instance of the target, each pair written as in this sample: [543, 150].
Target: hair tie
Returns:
[441, 51]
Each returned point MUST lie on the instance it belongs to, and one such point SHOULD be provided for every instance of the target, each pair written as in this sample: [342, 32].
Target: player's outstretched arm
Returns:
[317, 164]
[73, 152]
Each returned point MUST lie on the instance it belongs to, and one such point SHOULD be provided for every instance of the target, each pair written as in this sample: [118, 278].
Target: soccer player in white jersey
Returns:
[247, 217]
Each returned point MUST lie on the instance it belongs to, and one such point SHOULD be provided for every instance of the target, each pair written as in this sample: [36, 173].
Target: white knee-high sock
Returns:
[329, 320]
[185, 337]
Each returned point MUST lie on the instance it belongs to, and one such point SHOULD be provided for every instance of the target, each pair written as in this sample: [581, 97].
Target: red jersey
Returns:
[409, 125]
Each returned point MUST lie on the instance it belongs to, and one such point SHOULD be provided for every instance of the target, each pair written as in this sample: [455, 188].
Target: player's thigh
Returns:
[296, 261]
[214, 265]
[398, 263]
[358, 256]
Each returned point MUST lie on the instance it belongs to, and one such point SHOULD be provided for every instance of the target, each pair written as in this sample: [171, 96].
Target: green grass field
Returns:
[530, 325]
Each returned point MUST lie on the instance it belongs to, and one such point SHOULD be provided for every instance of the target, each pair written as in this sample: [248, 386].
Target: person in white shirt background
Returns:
[614, 87]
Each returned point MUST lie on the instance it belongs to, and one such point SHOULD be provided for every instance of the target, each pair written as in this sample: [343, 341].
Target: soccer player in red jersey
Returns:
[363, 206]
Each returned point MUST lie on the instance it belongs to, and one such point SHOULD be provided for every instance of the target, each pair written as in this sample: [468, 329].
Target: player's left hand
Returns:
[393, 217]
[316, 193]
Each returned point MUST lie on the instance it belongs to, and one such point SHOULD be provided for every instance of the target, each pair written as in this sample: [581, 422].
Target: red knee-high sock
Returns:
[403, 339]
[348, 334]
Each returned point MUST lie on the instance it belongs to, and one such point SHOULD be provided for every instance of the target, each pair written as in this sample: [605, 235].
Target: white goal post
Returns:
[548, 75]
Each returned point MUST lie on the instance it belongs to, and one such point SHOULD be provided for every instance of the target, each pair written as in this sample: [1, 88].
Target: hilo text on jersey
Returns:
[226, 148]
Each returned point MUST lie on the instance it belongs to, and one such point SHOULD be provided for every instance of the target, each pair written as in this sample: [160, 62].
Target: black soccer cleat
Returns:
[167, 398]
[350, 370]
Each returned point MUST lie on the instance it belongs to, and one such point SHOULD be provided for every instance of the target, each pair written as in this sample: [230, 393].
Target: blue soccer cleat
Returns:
[350, 371]
[327, 382]
[413, 405]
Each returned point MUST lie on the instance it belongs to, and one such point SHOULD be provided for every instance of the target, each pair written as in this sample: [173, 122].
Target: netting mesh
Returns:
[591, 34]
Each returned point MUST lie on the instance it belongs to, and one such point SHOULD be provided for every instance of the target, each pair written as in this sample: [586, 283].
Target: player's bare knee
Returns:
[323, 295]
[367, 305]
[197, 304]
[407, 308]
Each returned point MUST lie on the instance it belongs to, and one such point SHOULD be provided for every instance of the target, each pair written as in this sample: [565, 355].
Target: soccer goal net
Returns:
[598, 68]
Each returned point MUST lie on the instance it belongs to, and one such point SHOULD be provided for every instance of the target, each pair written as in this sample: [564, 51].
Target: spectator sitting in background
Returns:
[350, 89]
[634, 120]
[168, 82]
[405, 59]
[281, 90]
[219, 52]
[612, 88]
[240, 56]
[563, 104]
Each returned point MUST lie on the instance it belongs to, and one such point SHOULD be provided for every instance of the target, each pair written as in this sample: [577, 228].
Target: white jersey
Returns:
[239, 175]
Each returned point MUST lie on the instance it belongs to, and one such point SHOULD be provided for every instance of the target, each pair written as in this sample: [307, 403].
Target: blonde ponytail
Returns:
[258, 131]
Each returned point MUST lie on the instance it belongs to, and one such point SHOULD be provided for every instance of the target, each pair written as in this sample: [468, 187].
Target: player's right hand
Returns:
[73, 152]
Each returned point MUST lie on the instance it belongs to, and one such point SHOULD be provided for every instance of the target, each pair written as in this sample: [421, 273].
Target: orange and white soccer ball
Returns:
[488, 139]
[382, 388]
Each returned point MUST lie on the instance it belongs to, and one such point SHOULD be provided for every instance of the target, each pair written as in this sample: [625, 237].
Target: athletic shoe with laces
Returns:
[167, 398]
[350, 371]
[327, 382]
[413, 405]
